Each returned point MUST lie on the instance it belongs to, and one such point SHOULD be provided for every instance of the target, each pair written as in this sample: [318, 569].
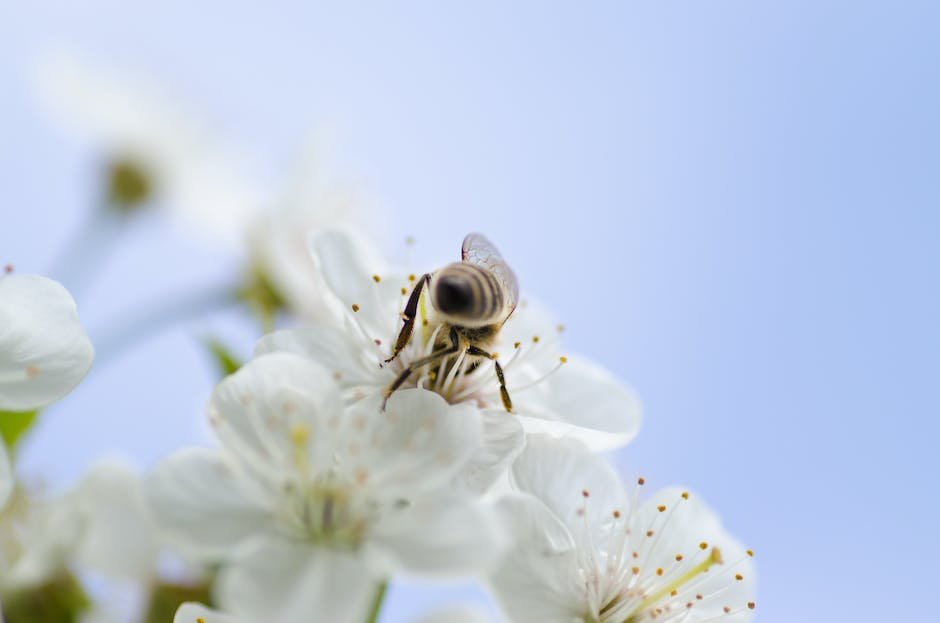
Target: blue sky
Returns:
[733, 205]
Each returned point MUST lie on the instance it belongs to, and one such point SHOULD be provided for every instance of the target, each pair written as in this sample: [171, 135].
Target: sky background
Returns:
[733, 205]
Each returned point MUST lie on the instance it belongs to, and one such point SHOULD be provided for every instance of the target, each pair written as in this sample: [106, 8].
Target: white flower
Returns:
[154, 148]
[309, 503]
[457, 614]
[588, 552]
[576, 399]
[44, 351]
[312, 197]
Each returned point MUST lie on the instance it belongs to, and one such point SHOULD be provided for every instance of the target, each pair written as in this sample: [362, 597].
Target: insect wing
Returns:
[480, 251]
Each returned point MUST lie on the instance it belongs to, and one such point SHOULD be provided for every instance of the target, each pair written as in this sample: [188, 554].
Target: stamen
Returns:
[8, 268]
[515, 390]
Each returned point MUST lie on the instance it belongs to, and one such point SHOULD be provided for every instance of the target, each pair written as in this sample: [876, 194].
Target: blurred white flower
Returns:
[586, 551]
[550, 393]
[153, 147]
[309, 503]
[44, 351]
[456, 614]
[7, 482]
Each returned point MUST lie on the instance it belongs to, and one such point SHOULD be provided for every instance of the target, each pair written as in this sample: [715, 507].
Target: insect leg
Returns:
[417, 363]
[503, 392]
[409, 315]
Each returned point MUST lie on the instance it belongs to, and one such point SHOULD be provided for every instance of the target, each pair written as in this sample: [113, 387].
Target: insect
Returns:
[471, 299]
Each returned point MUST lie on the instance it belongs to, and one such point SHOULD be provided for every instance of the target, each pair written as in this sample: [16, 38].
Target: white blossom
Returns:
[551, 393]
[588, 552]
[191, 612]
[310, 503]
[44, 351]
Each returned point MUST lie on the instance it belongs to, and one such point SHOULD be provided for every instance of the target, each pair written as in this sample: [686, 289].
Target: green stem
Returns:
[376, 606]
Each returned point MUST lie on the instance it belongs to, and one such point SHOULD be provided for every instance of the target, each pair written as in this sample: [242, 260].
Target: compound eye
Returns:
[453, 295]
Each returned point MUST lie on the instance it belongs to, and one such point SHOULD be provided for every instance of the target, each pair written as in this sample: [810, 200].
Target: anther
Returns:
[727, 609]
[678, 557]
[411, 277]
[635, 570]
[698, 596]
[200, 620]
[750, 553]
[751, 605]
[738, 577]
[409, 240]
[563, 359]
[560, 328]
[8, 268]
[355, 307]
[659, 571]
[685, 495]
[650, 533]
[517, 344]
[661, 508]
[616, 514]
[586, 493]
[535, 339]
[404, 291]
[703, 545]
[641, 481]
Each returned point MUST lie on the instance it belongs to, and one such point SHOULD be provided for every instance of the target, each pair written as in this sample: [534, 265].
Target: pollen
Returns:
[404, 291]
[659, 570]
[703, 545]
[661, 508]
[750, 553]
[650, 533]
[738, 577]
[355, 307]
[535, 339]
[517, 344]
[200, 620]
[616, 514]
[678, 557]
[411, 277]
[376, 278]
[685, 495]
[563, 359]
[635, 570]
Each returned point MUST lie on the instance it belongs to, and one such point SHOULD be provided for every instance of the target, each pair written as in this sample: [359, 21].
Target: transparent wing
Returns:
[480, 251]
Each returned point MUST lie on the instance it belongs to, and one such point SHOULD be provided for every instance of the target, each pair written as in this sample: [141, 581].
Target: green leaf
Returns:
[15, 424]
[225, 361]
[60, 600]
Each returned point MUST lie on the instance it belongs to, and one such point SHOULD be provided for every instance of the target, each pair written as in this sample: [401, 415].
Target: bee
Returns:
[471, 299]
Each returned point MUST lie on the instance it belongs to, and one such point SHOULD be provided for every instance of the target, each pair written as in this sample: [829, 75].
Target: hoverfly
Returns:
[471, 299]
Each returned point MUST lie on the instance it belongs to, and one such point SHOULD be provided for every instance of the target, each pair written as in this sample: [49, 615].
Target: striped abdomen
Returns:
[468, 295]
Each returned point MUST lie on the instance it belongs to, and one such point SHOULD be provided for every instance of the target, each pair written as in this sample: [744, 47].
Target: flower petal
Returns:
[44, 351]
[503, 440]
[328, 345]
[586, 402]
[259, 411]
[441, 536]
[275, 579]
[576, 485]
[199, 506]
[419, 443]
[348, 267]
[118, 536]
[457, 614]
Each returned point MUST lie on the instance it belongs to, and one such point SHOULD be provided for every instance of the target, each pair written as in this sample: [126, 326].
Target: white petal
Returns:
[584, 401]
[330, 346]
[503, 440]
[294, 582]
[348, 265]
[438, 536]
[191, 612]
[258, 411]
[198, 504]
[567, 478]
[683, 527]
[7, 482]
[44, 351]
[118, 536]
[420, 443]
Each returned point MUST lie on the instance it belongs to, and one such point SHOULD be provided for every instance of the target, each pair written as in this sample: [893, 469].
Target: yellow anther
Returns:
[376, 278]
[661, 508]
[685, 495]
[563, 359]
[355, 307]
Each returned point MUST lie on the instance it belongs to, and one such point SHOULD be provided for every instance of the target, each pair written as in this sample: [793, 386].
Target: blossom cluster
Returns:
[373, 440]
